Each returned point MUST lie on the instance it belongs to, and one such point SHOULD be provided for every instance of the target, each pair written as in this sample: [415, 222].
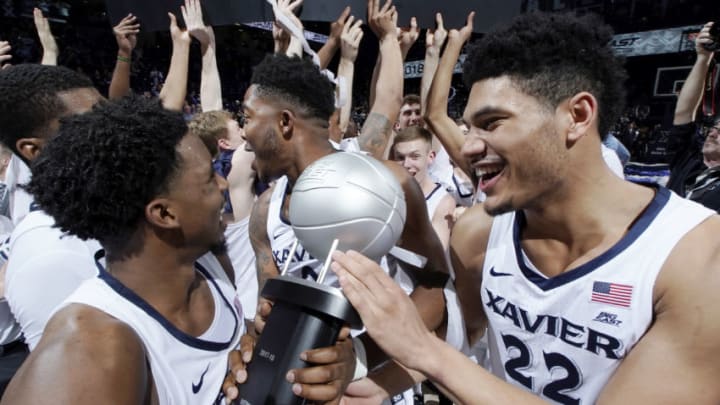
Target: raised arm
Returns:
[47, 40]
[126, 36]
[436, 116]
[376, 132]
[175, 88]
[692, 90]
[210, 88]
[287, 9]
[407, 37]
[351, 36]
[329, 49]
[434, 41]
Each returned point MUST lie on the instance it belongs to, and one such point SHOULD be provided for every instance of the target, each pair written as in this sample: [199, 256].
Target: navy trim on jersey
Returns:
[661, 198]
[437, 187]
[459, 188]
[282, 204]
[131, 296]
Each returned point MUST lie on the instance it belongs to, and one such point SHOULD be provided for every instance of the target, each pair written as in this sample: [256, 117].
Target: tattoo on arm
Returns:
[375, 134]
[265, 265]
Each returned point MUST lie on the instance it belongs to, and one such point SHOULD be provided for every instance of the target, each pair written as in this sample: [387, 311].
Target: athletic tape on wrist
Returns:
[361, 369]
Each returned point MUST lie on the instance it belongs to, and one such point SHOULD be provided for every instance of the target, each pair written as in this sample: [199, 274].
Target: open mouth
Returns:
[488, 175]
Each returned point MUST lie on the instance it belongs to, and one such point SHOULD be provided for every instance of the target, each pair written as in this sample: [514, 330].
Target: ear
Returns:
[431, 156]
[582, 111]
[223, 143]
[29, 148]
[160, 213]
[287, 123]
[396, 127]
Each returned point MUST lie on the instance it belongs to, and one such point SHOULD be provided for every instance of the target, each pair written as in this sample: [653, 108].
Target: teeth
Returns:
[488, 169]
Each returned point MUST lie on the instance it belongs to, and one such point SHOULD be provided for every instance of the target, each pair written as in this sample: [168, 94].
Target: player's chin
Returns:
[219, 247]
[495, 205]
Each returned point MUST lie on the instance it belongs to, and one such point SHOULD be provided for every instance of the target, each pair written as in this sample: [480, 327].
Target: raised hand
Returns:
[382, 21]
[352, 34]
[287, 8]
[465, 32]
[337, 27]
[408, 36]
[435, 39]
[192, 14]
[47, 40]
[126, 34]
[5, 55]
[177, 34]
[703, 38]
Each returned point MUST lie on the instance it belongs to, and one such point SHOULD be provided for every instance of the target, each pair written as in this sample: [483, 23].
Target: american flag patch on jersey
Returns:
[612, 293]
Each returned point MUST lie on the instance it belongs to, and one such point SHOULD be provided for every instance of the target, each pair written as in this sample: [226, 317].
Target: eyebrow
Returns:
[489, 110]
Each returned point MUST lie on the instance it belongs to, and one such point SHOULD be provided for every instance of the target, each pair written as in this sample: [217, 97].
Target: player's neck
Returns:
[587, 205]
[311, 151]
[161, 274]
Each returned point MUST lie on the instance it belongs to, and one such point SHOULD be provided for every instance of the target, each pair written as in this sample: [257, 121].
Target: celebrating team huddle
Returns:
[515, 265]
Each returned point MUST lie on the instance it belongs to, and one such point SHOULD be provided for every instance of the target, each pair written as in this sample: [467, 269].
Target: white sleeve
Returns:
[36, 284]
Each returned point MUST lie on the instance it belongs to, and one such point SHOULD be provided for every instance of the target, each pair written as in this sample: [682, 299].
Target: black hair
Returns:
[30, 101]
[298, 82]
[98, 174]
[553, 57]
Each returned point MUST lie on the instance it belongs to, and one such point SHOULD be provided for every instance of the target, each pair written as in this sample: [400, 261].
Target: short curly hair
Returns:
[298, 82]
[553, 57]
[30, 101]
[96, 177]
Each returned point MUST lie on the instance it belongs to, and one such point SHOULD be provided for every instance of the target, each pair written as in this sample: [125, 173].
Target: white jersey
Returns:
[282, 237]
[243, 260]
[563, 337]
[46, 265]
[433, 199]
[185, 369]
[18, 173]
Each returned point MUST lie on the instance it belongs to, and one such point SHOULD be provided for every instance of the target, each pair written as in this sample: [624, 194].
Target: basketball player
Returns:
[287, 108]
[593, 289]
[412, 148]
[158, 323]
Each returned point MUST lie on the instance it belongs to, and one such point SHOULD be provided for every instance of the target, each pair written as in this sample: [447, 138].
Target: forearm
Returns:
[692, 91]
[294, 48]
[327, 52]
[49, 57]
[389, 86]
[436, 116]
[120, 82]
[465, 382]
[175, 87]
[346, 70]
[432, 60]
[242, 199]
[210, 87]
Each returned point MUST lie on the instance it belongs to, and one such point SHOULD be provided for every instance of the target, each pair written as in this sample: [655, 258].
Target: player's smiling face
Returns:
[197, 194]
[513, 145]
[263, 136]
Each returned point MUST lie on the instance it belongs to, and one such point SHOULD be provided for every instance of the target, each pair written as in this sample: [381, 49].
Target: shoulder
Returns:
[257, 225]
[75, 337]
[692, 270]
[471, 231]
[81, 329]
